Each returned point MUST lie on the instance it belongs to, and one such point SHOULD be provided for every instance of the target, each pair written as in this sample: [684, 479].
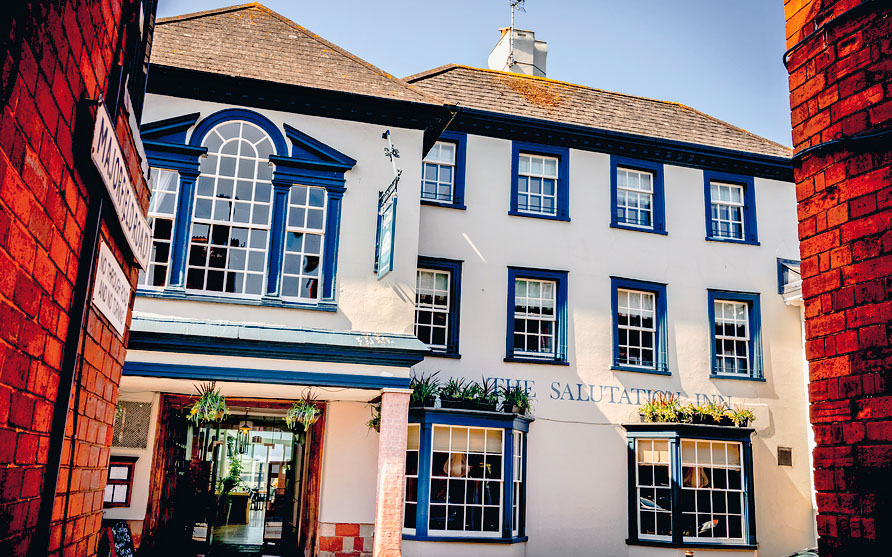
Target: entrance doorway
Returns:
[247, 485]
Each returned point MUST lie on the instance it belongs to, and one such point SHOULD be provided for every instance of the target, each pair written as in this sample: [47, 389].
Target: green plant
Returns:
[424, 389]
[457, 389]
[236, 467]
[741, 417]
[210, 406]
[486, 392]
[516, 396]
[119, 411]
[303, 411]
[375, 421]
[664, 407]
[716, 412]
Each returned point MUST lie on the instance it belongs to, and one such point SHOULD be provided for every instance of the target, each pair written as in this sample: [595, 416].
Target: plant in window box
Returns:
[424, 390]
[664, 407]
[303, 411]
[741, 417]
[486, 395]
[210, 406]
[456, 393]
[515, 400]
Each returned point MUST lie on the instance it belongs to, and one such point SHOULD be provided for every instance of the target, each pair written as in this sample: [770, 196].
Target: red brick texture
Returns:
[840, 87]
[391, 473]
[345, 540]
[55, 54]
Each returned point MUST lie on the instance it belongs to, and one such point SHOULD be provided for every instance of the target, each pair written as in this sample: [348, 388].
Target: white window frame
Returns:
[525, 171]
[741, 491]
[436, 161]
[641, 312]
[304, 228]
[638, 192]
[653, 463]
[517, 486]
[154, 215]
[733, 207]
[215, 162]
[440, 475]
[720, 320]
[528, 316]
[433, 307]
[416, 436]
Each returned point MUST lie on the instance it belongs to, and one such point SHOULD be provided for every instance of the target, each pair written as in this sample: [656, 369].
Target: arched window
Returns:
[232, 212]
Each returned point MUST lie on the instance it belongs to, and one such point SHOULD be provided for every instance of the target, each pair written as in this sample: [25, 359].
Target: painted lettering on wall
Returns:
[604, 394]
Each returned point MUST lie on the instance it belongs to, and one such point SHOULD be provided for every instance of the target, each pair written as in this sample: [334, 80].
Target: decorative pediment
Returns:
[313, 152]
[170, 130]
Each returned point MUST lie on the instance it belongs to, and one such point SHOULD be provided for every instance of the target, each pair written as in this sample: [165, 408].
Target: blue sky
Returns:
[719, 56]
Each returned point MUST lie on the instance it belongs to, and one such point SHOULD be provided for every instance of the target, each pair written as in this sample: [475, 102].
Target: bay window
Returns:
[161, 217]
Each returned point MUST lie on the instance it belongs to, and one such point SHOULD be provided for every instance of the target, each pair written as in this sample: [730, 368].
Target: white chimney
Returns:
[518, 51]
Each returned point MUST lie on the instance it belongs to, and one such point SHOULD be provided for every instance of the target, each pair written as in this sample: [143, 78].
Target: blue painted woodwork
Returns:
[562, 202]
[661, 363]
[755, 324]
[659, 199]
[560, 312]
[453, 266]
[751, 235]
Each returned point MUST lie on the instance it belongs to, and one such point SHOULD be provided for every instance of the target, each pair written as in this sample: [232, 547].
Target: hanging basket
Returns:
[210, 406]
[303, 412]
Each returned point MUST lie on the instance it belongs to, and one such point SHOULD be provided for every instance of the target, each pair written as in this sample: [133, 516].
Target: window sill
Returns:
[264, 302]
[529, 360]
[432, 203]
[732, 241]
[441, 354]
[736, 377]
[516, 213]
[623, 226]
[413, 537]
[651, 371]
[694, 545]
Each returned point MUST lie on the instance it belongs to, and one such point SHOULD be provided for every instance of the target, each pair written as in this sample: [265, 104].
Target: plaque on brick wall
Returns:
[111, 289]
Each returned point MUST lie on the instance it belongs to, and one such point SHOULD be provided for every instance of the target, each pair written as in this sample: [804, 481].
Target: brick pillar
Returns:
[391, 473]
[841, 99]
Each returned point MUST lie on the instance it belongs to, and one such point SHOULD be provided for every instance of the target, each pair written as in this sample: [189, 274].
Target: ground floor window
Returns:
[120, 481]
[465, 475]
[690, 485]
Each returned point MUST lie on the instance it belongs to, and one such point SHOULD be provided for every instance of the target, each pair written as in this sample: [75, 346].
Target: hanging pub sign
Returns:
[111, 289]
[386, 230]
[109, 160]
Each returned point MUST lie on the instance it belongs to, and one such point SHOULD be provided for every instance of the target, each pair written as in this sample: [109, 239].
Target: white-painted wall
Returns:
[577, 488]
[349, 465]
[364, 303]
[139, 494]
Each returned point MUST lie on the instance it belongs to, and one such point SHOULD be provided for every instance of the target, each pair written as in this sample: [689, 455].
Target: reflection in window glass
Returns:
[231, 218]
[653, 489]
[712, 490]
[302, 268]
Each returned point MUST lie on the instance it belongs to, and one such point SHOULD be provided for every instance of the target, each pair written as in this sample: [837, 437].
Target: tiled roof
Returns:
[547, 99]
[252, 41]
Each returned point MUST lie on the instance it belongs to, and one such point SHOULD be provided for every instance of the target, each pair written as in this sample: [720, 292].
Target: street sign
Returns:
[386, 234]
[109, 160]
[111, 289]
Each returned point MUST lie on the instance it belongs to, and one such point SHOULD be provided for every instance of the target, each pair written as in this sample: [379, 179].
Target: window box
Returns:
[537, 316]
[736, 335]
[690, 486]
[639, 326]
[540, 181]
[730, 208]
[443, 172]
[637, 200]
[465, 476]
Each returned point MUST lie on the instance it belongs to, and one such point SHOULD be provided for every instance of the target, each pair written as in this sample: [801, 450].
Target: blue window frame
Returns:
[437, 305]
[298, 196]
[639, 326]
[730, 201]
[637, 200]
[443, 172]
[466, 476]
[690, 486]
[537, 316]
[736, 335]
[540, 177]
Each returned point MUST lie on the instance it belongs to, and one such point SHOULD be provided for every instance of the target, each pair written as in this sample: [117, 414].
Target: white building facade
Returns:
[590, 247]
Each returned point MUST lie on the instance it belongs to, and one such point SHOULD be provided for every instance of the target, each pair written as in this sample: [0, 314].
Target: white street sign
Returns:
[111, 289]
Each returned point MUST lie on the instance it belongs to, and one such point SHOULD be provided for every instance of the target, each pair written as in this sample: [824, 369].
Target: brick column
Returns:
[391, 473]
[840, 67]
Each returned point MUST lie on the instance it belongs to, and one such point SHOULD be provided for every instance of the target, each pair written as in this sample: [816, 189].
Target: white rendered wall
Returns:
[577, 488]
[364, 303]
[139, 494]
[349, 465]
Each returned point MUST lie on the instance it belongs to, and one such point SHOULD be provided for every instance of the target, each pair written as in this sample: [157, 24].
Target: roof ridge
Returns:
[431, 72]
[215, 11]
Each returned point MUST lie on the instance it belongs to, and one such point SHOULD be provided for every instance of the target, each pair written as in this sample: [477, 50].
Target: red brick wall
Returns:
[52, 55]
[345, 540]
[841, 86]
